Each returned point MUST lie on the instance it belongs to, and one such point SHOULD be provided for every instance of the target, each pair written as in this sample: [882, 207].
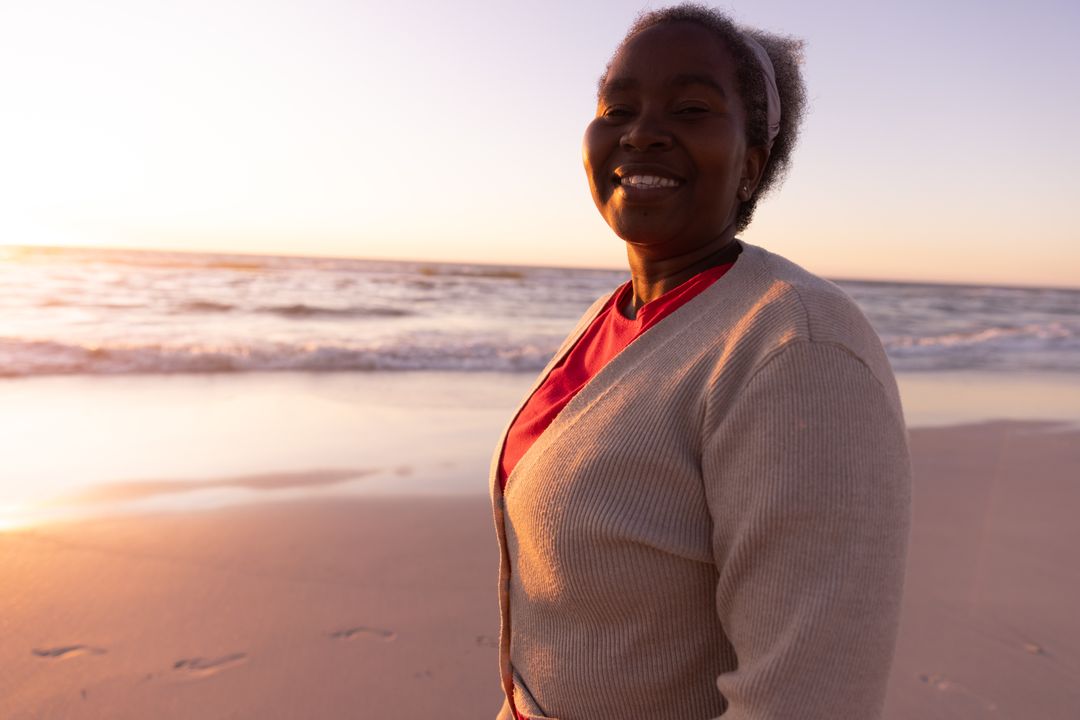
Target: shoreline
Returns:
[240, 437]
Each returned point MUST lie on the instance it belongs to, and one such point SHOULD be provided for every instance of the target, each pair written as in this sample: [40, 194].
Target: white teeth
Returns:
[648, 181]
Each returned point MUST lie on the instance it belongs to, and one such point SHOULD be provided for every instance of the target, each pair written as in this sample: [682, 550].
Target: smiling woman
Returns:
[719, 102]
[703, 503]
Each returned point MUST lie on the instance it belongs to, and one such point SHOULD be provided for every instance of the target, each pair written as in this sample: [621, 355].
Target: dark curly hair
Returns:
[786, 54]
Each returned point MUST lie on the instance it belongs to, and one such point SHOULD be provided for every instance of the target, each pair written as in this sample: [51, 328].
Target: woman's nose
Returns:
[646, 133]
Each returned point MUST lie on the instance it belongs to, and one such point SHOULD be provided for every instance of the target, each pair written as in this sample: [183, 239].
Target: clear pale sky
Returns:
[941, 142]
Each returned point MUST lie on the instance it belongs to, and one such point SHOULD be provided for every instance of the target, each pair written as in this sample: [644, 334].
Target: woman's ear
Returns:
[753, 168]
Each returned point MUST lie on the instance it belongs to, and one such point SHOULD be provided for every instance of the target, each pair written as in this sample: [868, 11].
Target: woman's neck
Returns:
[651, 278]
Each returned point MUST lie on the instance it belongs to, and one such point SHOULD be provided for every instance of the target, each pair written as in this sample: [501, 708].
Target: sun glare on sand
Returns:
[12, 518]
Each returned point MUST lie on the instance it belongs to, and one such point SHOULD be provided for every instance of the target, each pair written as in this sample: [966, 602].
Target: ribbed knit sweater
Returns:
[717, 523]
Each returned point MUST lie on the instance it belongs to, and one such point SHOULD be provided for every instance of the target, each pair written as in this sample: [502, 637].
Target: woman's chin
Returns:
[656, 244]
[644, 234]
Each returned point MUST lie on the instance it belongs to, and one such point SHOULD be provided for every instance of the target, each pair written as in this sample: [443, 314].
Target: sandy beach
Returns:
[384, 607]
[374, 608]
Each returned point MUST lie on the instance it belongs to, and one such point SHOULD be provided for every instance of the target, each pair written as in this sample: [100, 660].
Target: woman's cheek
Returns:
[594, 154]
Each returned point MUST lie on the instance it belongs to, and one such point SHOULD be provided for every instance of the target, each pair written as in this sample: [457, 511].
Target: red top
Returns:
[606, 336]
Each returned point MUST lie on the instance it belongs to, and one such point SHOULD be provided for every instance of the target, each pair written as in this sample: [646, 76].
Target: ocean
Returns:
[135, 381]
[66, 311]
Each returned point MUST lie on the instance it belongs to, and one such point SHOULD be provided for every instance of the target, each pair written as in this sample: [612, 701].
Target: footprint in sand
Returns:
[944, 684]
[202, 667]
[67, 651]
[355, 632]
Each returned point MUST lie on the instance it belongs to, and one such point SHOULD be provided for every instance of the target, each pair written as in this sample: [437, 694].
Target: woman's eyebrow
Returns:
[614, 85]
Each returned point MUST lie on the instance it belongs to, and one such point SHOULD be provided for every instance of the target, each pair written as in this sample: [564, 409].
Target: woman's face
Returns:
[666, 154]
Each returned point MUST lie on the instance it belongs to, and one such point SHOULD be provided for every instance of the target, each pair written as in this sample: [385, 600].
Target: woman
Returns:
[703, 505]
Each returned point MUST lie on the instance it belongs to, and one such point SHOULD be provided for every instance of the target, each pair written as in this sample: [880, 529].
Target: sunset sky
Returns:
[941, 142]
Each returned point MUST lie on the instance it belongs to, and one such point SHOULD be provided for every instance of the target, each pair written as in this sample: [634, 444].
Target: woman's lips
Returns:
[645, 188]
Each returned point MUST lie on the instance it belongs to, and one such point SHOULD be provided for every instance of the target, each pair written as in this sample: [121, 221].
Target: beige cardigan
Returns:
[717, 523]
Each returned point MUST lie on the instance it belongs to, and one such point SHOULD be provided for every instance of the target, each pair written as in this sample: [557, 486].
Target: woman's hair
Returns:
[786, 55]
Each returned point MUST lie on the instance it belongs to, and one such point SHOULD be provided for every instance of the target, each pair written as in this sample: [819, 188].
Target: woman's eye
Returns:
[691, 110]
[617, 111]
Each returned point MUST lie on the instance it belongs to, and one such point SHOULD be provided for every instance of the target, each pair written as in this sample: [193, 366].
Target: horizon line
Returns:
[186, 251]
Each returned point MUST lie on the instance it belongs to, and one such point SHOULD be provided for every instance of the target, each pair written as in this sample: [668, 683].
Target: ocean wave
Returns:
[245, 265]
[472, 271]
[1050, 332]
[199, 307]
[295, 310]
[1027, 348]
[204, 306]
[172, 312]
[1034, 346]
[300, 310]
[52, 302]
[23, 358]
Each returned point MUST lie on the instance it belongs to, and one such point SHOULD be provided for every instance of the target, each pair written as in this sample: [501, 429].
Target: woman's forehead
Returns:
[675, 52]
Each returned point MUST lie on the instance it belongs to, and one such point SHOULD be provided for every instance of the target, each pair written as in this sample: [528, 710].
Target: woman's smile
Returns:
[640, 183]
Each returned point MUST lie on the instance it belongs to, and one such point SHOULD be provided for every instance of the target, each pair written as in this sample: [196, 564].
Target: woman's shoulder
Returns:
[817, 296]
[774, 301]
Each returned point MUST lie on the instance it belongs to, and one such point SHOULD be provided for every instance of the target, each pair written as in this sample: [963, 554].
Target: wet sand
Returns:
[991, 614]
[383, 607]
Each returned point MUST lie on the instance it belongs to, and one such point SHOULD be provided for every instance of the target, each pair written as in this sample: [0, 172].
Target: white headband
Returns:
[770, 86]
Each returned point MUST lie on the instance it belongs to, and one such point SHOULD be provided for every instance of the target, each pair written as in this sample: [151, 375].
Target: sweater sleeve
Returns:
[807, 477]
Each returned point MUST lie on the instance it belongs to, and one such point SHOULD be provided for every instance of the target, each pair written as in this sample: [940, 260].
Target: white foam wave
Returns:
[1034, 332]
[1045, 346]
[45, 357]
